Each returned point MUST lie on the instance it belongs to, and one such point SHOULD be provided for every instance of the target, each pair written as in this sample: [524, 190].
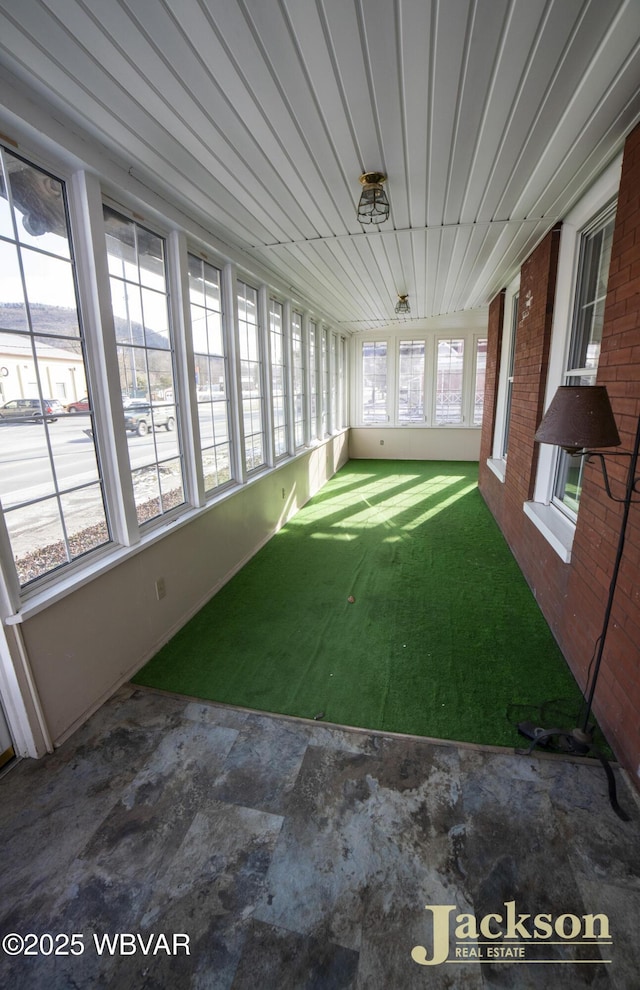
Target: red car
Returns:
[82, 405]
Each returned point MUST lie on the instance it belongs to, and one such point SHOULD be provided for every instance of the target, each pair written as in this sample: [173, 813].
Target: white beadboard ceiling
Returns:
[256, 117]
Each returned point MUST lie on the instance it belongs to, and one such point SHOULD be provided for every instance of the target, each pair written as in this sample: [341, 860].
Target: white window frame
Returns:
[498, 462]
[299, 418]
[393, 337]
[358, 392]
[556, 526]
[477, 337]
[260, 310]
[465, 386]
[271, 302]
[427, 404]
[88, 192]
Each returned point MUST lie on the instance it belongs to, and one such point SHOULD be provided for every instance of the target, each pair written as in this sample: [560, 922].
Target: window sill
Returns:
[499, 467]
[557, 530]
[386, 425]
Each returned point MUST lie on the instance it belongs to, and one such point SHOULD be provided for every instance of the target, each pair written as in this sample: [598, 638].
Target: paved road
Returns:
[25, 468]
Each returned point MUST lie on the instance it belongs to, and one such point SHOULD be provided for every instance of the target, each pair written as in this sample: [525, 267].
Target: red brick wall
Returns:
[573, 596]
[617, 699]
[542, 567]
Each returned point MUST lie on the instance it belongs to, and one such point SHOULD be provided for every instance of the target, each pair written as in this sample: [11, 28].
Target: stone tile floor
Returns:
[288, 855]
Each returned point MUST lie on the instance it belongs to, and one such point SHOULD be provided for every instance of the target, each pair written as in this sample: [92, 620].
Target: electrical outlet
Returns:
[161, 588]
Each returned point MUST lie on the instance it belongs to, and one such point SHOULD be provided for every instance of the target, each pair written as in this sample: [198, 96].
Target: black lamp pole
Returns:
[578, 418]
[627, 501]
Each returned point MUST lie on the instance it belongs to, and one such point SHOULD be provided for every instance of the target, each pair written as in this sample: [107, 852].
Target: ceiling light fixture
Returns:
[374, 205]
[402, 305]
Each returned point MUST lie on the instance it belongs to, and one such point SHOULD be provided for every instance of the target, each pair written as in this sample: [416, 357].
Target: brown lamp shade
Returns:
[580, 416]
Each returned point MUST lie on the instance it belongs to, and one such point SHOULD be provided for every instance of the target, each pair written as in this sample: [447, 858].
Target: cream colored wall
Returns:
[83, 647]
[448, 444]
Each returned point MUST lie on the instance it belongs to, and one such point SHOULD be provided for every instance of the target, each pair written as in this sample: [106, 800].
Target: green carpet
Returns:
[444, 637]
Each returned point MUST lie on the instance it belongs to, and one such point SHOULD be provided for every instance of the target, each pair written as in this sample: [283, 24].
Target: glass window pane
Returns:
[151, 260]
[39, 207]
[313, 380]
[121, 246]
[146, 364]
[127, 312]
[37, 539]
[251, 377]
[210, 371]
[584, 351]
[450, 363]
[49, 278]
[27, 471]
[146, 493]
[6, 213]
[209, 470]
[85, 519]
[156, 319]
[278, 379]
[411, 381]
[298, 367]
[50, 482]
[324, 365]
[13, 312]
[171, 487]
[478, 392]
[374, 382]
[199, 330]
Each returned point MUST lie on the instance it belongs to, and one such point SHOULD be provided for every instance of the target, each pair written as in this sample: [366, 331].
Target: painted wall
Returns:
[84, 646]
[572, 595]
[410, 443]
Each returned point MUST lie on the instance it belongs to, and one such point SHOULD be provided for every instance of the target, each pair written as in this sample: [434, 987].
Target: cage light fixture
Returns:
[374, 205]
[402, 305]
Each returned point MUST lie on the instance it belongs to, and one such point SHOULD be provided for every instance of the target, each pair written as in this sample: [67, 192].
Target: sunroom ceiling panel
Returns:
[517, 34]
[482, 43]
[228, 122]
[275, 93]
[256, 117]
[586, 127]
[447, 59]
[572, 70]
[515, 239]
[547, 48]
[106, 106]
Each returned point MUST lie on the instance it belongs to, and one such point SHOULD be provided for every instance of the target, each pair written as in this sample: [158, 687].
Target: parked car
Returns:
[138, 417]
[82, 405]
[32, 410]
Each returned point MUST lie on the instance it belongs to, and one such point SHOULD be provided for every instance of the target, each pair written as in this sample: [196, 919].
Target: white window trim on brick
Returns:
[556, 527]
[498, 462]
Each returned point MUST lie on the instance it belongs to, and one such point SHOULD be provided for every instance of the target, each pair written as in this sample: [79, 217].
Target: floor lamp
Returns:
[580, 419]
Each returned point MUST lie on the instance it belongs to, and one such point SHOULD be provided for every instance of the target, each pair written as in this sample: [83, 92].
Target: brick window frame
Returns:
[557, 527]
[498, 460]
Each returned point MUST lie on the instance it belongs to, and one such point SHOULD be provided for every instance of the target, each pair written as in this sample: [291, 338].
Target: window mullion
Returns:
[264, 344]
[102, 360]
[288, 364]
[230, 327]
[188, 424]
[307, 371]
[9, 583]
